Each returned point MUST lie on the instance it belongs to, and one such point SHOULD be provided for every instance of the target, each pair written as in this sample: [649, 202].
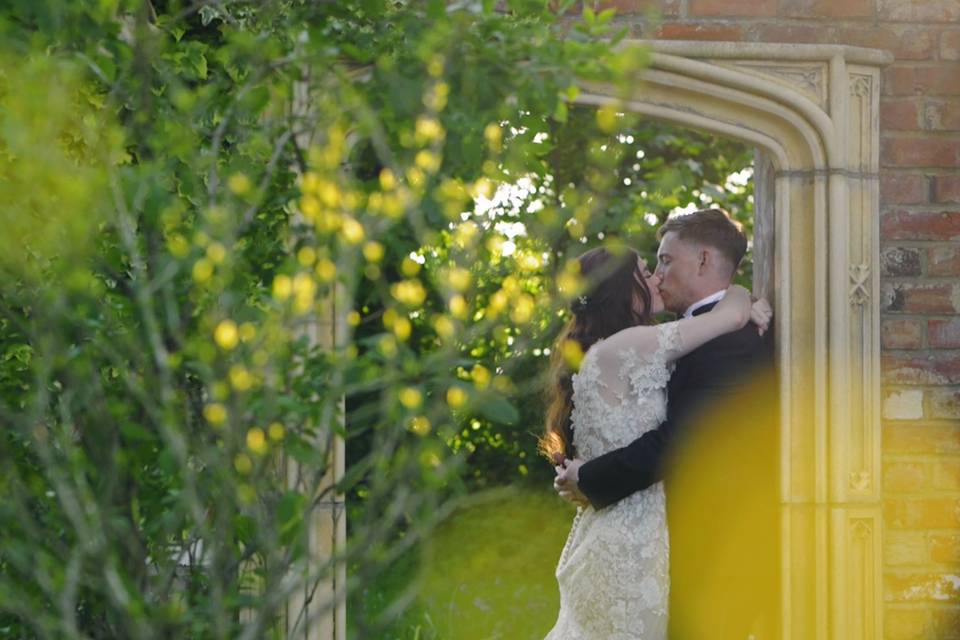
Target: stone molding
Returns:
[813, 113]
[318, 611]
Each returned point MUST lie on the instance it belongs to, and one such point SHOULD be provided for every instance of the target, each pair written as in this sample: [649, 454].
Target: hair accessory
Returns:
[580, 304]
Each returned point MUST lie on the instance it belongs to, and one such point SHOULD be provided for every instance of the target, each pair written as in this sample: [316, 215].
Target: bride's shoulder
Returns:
[642, 338]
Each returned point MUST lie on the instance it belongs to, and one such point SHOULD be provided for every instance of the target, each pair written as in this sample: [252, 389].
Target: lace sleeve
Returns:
[646, 362]
[669, 340]
[636, 361]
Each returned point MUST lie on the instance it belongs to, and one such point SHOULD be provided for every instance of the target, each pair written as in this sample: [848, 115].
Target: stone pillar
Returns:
[764, 223]
[318, 611]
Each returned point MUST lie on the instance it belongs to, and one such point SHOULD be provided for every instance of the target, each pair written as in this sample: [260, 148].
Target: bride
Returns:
[613, 571]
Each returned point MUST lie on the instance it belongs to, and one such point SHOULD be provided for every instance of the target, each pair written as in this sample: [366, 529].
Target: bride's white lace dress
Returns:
[614, 569]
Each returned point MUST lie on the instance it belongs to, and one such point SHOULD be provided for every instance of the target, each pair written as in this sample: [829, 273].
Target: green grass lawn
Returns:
[487, 573]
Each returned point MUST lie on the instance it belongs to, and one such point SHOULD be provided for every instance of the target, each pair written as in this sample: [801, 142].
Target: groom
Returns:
[716, 450]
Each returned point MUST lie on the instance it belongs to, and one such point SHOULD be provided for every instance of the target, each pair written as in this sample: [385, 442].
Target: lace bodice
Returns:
[620, 393]
[614, 569]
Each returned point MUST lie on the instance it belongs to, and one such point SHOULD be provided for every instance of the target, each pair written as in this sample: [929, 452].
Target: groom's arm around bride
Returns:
[705, 381]
[716, 450]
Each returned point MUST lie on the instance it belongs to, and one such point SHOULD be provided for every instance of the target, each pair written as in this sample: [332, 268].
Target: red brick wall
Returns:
[920, 247]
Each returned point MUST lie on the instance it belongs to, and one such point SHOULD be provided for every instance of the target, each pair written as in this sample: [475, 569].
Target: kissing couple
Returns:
[616, 429]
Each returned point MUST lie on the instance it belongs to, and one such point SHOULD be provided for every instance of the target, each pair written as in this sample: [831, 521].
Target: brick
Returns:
[681, 31]
[919, 10]
[942, 79]
[945, 623]
[820, 9]
[910, 151]
[944, 334]
[946, 188]
[900, 261]
[945, 548]
[905, 548]
[911, 297]
[900, 225]
[905, 477]
[780, 32]
[943, 261]
[905, 42]
[901, 333]
[940, 115]
[945, 404]
[903, 405]
[732, 8]
[905, 623]
[921, 586]
[946, 475]
[625, 7]
[936, 368]
[900, 115]
[950, 44]
[903, 188]
[921, 513]
[909, 438]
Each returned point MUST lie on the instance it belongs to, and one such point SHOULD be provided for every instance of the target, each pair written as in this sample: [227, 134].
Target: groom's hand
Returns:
[567, 482]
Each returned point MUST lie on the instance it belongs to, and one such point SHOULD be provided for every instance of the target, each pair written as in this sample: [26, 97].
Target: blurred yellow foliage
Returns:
[240, 377]
[58, 153]
[239, 184]
[572, 354]
[326, 270]
[493, 134]
[409, 292]
[410, 397]
[420, 425]
[215, 413]
[282, 287]
[428, 130]
[373, 251]
[276, 431]
[226, 334]
[480, 376]
[243, 464]
[257, 441]
[457, 397]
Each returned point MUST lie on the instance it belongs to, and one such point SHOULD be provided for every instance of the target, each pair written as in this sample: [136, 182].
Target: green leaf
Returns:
[19, 352]
[498, 409]
[209, 13]
[560, 113]
[290, 514]
[199, 62]
[246, 528]
[136, 432]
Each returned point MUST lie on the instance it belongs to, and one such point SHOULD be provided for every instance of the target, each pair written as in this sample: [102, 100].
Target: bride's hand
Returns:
[567, 482]
[736, 304]
[760, 314]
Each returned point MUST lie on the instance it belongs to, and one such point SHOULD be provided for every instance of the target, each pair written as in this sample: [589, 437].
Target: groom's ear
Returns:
[703, 258]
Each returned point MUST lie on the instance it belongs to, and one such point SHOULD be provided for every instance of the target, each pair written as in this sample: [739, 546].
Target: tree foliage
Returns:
[190, 188]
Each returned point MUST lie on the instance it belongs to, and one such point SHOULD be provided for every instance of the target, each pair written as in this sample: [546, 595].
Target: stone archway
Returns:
[813, 112]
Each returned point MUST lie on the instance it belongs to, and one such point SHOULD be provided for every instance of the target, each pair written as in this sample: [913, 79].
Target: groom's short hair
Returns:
[712, 227]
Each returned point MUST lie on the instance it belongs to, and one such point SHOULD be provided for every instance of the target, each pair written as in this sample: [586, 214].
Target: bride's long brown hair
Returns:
[612, 283]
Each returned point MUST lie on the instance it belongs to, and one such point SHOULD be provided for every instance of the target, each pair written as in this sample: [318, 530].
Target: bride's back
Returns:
[620, 391]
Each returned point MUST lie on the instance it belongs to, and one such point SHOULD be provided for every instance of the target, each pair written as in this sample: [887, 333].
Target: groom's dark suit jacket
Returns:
[717, 452]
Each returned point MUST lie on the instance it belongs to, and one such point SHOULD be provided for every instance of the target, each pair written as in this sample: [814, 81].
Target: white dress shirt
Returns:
[713, 297]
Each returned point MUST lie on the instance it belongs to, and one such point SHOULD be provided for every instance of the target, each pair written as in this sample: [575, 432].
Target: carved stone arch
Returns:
[813, 112]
